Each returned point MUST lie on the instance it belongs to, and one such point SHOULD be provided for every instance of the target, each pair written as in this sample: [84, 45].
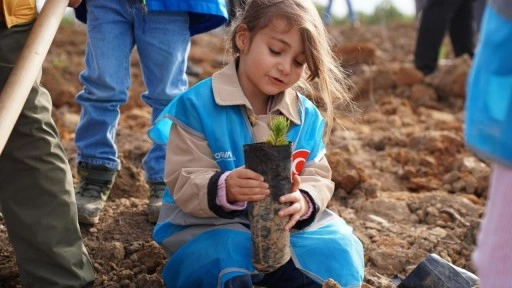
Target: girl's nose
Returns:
[284, 67]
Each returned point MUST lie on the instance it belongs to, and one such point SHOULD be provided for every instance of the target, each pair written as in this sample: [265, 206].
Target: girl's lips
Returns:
[277, 80]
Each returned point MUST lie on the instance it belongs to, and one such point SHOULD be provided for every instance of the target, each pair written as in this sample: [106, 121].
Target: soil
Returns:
[404, 179]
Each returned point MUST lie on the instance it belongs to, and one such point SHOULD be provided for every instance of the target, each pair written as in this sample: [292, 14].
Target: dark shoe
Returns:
[156, 191]
[435, 272]
[92, 191]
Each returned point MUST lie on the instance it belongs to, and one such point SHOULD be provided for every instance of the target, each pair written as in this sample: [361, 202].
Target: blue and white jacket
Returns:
[488, 129]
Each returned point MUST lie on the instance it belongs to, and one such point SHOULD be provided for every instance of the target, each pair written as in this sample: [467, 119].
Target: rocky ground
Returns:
[404, 179]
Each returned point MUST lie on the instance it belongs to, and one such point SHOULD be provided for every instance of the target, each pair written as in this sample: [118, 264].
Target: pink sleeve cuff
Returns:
[222, 200]
[310, 208]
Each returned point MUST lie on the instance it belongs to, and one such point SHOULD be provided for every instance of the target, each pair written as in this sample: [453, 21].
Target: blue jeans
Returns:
[326, 16]
[114, 28]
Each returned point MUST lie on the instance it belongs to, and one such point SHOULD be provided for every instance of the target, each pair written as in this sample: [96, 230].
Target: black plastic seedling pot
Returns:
[270, 241]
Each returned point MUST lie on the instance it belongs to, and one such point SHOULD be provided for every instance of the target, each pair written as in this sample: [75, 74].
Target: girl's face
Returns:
[273, 61]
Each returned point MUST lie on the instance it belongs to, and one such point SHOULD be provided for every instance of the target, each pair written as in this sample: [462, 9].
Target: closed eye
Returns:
[299, 63]
[272, 51]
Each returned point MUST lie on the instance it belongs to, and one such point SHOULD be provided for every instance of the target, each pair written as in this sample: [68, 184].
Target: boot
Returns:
[156, 191]
[93, 190]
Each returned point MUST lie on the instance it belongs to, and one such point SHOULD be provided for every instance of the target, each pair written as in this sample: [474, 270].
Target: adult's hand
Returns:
[74, 3]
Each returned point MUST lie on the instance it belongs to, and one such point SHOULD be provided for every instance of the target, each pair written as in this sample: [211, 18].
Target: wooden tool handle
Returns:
[28, 66]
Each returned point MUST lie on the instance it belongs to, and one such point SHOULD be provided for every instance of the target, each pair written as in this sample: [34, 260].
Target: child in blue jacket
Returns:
[279, 46]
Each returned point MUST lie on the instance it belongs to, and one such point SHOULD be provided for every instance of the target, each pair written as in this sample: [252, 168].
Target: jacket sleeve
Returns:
[189, 166]
[316, 182]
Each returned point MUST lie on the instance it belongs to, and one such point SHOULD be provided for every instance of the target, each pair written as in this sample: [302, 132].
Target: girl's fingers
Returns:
[247, 174]
[290, 210]
[247, 183]
[253, 194]
[293, 197]
[253, 198]
[295, 182]
[294, 210]
[293, 220]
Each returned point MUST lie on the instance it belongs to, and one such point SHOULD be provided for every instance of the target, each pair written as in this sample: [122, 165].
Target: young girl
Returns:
[203, 224]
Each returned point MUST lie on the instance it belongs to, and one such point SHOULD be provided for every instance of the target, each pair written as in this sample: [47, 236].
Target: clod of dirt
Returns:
[330, 284]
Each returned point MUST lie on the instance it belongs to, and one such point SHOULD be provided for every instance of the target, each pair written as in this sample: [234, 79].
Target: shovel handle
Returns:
[29, 63]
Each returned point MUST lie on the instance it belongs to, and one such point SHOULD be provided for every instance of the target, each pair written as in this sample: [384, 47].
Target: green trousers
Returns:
[36, 188]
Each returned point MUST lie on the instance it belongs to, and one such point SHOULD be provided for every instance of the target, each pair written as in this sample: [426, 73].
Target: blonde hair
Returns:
[323, 71]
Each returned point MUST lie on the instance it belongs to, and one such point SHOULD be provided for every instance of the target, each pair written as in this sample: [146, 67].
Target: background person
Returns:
[488, 132]
[36, 193]
[161, 31]
[437, 17]
[326, 16]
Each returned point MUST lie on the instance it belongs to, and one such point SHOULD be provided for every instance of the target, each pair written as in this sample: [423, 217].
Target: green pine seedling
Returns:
[278, 128]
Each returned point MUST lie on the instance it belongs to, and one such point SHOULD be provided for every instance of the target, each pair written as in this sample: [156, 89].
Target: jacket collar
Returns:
[227, 91]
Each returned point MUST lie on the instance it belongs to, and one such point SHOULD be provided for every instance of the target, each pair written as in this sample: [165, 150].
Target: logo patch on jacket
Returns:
[223, 156]
[299, 160]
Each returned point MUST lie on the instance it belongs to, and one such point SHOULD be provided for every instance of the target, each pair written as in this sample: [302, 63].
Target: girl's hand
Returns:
[298, 204]
[244, 185]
